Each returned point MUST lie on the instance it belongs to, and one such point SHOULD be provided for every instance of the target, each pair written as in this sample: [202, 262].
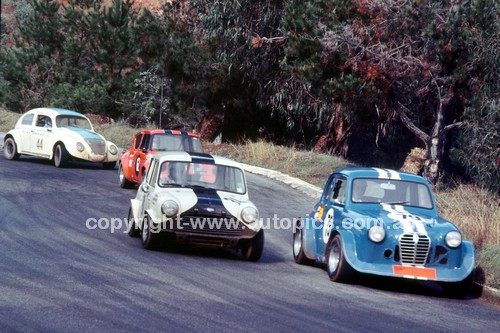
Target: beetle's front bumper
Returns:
[91, 157]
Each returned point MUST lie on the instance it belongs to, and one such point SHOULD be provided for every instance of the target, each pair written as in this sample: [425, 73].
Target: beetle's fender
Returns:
[17, 139]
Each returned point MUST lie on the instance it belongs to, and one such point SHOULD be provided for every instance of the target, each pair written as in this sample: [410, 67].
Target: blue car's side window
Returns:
[338, 193]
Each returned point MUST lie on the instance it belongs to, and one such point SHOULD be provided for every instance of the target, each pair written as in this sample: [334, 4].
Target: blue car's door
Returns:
[333, 212]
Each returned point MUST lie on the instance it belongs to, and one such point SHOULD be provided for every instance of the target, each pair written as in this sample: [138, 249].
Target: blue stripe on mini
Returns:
[201, 158]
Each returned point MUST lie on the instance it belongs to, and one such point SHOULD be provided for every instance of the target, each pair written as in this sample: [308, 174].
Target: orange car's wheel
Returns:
[124, 182]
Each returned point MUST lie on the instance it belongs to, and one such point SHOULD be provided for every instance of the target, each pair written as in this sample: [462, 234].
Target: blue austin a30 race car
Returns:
[383, 222]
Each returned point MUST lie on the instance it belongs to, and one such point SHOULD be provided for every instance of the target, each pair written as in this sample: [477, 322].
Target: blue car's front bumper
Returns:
[443, 273]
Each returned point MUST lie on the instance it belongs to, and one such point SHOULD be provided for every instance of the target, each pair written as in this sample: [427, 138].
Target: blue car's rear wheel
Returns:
[298, 250]
[337, 266]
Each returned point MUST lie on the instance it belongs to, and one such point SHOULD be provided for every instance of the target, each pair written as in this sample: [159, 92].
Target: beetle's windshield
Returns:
[394, 192]
[199, 175]
[73, 121]
[164, 142]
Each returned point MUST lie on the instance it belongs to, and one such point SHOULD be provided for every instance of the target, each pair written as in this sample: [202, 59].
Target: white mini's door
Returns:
[145, 194]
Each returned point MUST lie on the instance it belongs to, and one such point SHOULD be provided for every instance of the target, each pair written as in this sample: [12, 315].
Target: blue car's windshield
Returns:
[395, 192]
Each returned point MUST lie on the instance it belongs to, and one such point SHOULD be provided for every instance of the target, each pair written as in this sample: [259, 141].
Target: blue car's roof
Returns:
[361, 172]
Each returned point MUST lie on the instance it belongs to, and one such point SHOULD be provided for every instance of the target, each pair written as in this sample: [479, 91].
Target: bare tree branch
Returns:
[452, 126]
[424, 137]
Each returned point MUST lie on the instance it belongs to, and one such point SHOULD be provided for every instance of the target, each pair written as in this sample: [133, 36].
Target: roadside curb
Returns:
[296, 183]
[490, 294]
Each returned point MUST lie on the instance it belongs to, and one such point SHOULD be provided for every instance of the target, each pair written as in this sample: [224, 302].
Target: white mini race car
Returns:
[196, 199]
[58, 135]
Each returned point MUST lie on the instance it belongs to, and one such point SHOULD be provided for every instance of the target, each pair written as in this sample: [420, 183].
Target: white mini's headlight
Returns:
[113, 150]
[453, 239]
[80, 147]
[249, 215]
[170, 208]
[376, 233]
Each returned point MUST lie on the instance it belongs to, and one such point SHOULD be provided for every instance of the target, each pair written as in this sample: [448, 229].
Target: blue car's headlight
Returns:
[453, 239]
[376, 233]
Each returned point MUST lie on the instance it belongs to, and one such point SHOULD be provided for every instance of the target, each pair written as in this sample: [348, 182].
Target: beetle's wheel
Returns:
[10, 149]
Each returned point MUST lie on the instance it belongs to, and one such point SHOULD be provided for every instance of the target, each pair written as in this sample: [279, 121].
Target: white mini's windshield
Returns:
[395, 192]
[212, 176]
[73, 121]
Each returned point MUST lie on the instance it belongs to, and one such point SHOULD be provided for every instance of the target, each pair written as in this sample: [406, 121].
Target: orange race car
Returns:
[135, 160]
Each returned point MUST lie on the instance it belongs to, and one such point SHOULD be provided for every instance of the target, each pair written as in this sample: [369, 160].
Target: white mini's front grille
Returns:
[414, 248]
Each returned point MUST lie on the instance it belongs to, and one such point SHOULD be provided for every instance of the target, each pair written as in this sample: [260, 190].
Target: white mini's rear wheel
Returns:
[133, 231]
[10, 149]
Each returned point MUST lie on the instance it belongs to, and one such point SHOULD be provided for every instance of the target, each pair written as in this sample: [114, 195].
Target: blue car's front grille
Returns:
[414, 248]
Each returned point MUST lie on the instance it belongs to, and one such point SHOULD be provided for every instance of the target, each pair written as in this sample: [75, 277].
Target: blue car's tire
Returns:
[337, 266]
[298, 249]
[459, 289]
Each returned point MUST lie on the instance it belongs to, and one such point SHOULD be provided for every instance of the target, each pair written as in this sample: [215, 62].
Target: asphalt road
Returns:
[56, 275]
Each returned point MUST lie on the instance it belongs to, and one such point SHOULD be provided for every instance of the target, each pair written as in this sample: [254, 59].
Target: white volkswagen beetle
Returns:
[200, 200]
[58, 135]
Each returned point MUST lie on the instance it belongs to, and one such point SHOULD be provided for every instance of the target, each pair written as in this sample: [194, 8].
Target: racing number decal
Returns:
[39, 144]
[137, 165]
[327, 227]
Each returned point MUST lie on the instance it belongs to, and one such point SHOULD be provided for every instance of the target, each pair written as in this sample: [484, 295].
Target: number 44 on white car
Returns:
[59, 135]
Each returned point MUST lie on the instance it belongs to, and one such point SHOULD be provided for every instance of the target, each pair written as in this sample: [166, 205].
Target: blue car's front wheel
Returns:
[337, 266]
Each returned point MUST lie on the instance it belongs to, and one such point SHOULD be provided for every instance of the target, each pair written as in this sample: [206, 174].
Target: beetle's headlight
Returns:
[376, 233]
[170, 208]
[453, 239]
[80, 147]
[249, 215]
[113, 150]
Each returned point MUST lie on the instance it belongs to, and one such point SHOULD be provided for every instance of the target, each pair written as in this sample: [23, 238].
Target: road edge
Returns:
[488, 293]
[296, 183]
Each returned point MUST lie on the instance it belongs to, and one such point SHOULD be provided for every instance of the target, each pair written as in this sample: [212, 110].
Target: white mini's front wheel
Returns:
[252, 248]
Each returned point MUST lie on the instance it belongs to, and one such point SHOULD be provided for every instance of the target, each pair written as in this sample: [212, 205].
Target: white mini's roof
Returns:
[183, 156]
